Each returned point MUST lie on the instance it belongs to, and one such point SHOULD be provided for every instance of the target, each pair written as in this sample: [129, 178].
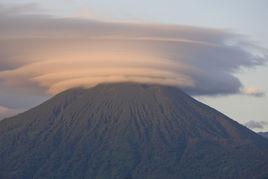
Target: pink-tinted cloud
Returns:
[253, 91]
[54, 54]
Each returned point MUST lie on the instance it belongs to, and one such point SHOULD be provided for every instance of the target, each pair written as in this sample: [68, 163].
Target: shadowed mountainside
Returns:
[128, 130]
[264, 134]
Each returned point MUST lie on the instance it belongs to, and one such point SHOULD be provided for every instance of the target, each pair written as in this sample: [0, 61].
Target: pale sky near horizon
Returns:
[247, 17]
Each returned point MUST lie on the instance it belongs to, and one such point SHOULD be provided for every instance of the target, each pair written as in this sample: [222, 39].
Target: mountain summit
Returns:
[128, 130]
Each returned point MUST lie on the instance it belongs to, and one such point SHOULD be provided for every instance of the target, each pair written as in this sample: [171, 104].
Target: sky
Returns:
[214, 50]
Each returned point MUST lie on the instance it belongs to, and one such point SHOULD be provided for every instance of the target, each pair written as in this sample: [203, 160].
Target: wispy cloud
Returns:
[256, 124]
[54, 54]
[253, 91]
[7, 112]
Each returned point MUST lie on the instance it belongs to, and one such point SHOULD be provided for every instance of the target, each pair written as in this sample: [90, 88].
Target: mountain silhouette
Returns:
[128, 130]
[264, 134]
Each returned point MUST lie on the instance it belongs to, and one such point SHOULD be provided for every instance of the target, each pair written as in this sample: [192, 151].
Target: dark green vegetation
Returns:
[128, 131]
[264, 134]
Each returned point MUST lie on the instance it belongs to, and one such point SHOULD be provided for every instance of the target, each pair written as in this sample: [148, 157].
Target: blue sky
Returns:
[246, 17]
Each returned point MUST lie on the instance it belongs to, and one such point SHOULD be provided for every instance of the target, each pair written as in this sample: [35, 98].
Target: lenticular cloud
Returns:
[60, 53]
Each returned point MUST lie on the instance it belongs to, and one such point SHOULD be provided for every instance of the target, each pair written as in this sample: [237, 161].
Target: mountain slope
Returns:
[128, 130]
[264, 134]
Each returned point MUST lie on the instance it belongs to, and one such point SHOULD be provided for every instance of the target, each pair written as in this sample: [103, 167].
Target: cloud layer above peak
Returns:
[54, 54]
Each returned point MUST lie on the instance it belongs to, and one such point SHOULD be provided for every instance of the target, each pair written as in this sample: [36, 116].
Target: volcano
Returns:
[128, 130]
